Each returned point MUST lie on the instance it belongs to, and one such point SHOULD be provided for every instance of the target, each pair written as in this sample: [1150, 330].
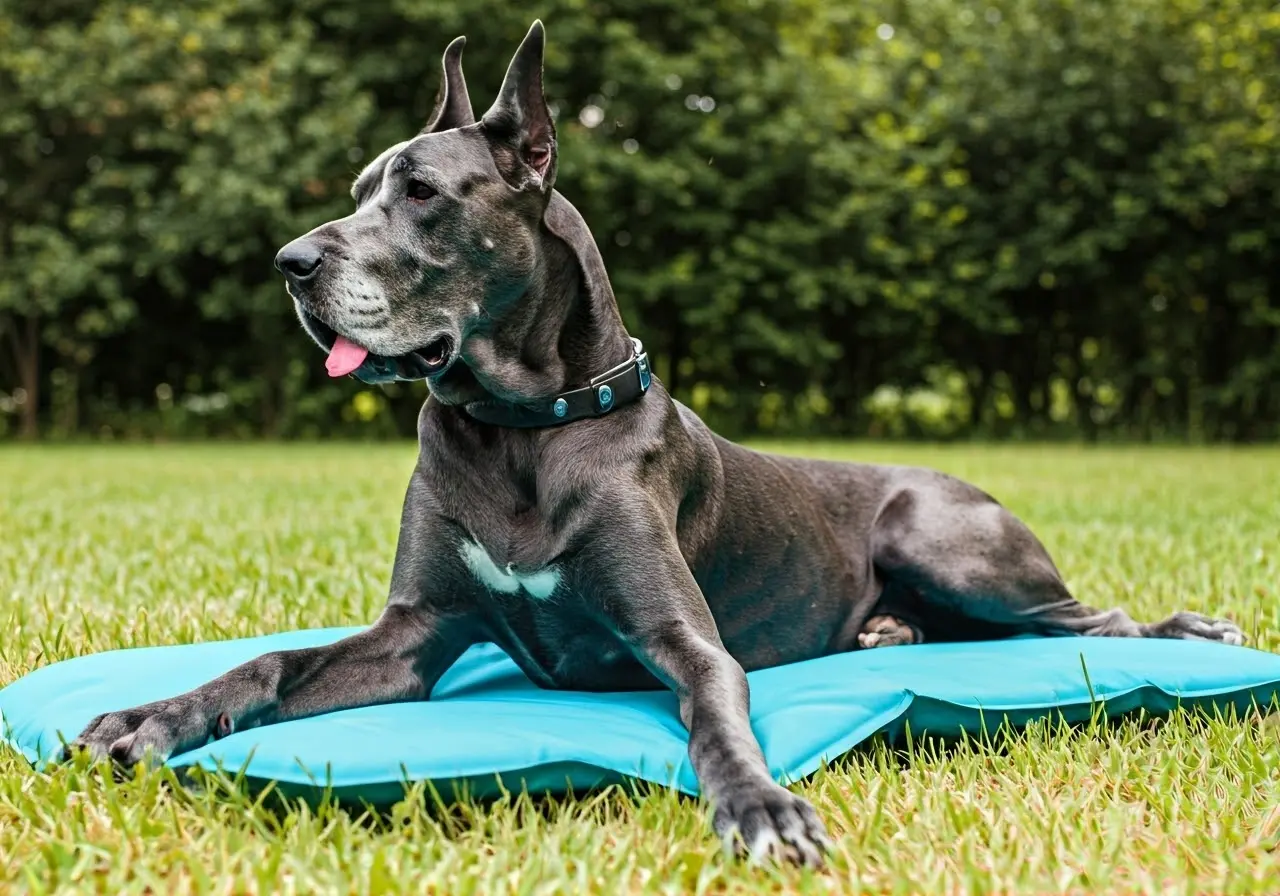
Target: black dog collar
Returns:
[612, 389]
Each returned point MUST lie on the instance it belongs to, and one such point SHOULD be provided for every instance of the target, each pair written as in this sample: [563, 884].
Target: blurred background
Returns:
[941, 219]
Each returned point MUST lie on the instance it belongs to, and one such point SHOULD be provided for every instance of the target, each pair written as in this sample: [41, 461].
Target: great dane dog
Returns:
[566, 508]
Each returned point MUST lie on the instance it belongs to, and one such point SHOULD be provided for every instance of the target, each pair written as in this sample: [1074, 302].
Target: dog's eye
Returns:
[417, 191]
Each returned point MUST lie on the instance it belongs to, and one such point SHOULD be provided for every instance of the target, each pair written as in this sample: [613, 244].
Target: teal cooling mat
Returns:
[488, 724]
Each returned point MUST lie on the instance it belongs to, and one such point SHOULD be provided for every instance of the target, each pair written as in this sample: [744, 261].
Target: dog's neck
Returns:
[564, 330]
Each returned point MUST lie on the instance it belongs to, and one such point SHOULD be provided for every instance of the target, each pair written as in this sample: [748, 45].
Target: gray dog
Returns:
[567, 509]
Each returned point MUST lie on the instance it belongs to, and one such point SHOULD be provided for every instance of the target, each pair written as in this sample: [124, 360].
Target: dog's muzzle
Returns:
[426, 363]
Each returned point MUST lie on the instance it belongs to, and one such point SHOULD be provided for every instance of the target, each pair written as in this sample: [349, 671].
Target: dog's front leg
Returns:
[398, 658]
[427, 624]
[659, 610]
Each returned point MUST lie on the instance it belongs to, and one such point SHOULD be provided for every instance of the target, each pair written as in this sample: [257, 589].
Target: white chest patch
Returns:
[539, 585]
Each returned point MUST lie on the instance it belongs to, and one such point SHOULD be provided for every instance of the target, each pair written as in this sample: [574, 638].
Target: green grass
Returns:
[119, 546]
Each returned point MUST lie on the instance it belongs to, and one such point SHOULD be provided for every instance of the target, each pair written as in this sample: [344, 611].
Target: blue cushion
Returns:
[488, 727]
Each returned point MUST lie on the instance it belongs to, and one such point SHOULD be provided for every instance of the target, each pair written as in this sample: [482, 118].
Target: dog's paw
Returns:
[767, 821]
[888, 631]
[150, 733]
[1193, 626]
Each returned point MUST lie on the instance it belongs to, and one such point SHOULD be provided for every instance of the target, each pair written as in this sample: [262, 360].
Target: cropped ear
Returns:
[453, 105]
[521, 134]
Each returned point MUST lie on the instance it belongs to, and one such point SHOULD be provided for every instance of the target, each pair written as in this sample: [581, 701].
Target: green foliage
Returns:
[1066, 207]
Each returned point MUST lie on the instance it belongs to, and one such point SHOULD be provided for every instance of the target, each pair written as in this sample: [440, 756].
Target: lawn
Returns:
[120, 546]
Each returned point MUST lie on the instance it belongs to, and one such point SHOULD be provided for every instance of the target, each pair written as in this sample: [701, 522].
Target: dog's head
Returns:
[442, 240]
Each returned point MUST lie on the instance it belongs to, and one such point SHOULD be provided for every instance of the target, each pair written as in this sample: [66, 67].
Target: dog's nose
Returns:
[299, 260]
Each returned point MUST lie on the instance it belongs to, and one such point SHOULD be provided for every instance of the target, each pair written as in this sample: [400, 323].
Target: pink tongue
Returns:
[344, 357]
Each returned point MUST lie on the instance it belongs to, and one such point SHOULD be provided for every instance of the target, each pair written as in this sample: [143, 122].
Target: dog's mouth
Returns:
[349, 358]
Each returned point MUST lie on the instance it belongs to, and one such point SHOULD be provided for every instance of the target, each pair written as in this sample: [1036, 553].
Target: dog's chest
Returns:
[539, 624]
[539, 584]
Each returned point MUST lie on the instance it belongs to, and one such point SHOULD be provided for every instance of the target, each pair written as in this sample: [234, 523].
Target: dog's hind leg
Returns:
[965, 554]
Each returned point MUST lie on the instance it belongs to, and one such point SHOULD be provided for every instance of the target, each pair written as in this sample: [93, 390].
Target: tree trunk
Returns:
[979, 392]
[676, 342]
[1023, 378]
[69, 401]
[271, 389]
[1082, 398]
[26, 356]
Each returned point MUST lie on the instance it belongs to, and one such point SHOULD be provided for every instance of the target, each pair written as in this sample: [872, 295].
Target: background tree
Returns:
[940, 218]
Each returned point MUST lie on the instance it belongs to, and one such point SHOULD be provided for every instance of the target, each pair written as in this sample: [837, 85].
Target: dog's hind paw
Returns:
[770, 823]
[1195, 627]
[888, 631]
